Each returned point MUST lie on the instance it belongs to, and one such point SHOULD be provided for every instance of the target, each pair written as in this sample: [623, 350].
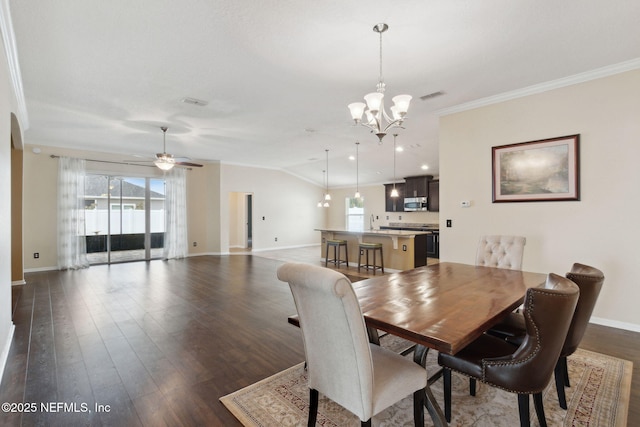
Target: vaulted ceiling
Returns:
[277, 75]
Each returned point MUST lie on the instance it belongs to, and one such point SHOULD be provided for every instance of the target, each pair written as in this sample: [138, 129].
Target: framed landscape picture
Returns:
[544, 170]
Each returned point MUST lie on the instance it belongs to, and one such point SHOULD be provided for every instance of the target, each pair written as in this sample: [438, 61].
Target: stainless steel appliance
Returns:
[415, 204]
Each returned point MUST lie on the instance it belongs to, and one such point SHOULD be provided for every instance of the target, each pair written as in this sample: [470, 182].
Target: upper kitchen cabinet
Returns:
[394, 204]
[417, 186]
[433, 202]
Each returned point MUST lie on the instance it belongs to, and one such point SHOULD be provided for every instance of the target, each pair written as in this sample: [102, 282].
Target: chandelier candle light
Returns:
[376, 116]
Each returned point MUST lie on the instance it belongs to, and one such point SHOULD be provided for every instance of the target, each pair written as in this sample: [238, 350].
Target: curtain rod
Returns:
[53, 156]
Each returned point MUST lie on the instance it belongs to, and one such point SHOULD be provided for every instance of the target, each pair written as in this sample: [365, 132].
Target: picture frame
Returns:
[537, 171]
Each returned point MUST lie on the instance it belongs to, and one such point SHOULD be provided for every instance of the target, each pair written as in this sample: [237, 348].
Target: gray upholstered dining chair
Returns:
[501, 251]
[342, 365]
[526, 369]
[512, 329]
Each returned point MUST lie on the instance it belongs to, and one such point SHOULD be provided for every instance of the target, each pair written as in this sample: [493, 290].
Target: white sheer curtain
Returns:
[72, 244]
[175, 231]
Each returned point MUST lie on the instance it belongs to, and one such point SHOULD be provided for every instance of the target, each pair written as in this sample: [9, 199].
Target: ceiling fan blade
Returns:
[195, 165]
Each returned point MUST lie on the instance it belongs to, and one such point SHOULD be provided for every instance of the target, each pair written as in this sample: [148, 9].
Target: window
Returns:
[354, 214]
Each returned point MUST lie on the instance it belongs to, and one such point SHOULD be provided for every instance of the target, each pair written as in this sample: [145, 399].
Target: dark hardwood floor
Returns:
[158, 343]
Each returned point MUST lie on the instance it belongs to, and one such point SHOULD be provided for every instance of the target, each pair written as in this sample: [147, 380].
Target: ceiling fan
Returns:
[166, 161]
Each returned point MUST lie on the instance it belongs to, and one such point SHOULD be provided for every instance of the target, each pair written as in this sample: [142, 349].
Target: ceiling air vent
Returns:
[194, 101]
[431, 95]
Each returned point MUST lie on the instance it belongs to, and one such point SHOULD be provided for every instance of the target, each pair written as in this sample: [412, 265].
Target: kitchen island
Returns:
[402, 249]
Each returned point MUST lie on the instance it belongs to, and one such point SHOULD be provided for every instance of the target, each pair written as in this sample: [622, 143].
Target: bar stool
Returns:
[336, 244]
[364, 249]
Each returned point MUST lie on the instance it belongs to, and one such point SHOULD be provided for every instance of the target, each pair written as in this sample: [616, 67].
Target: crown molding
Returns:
[598, 73]
[11, 52]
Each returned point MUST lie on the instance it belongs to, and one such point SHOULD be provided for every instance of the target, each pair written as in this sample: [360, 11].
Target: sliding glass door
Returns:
[124, 218]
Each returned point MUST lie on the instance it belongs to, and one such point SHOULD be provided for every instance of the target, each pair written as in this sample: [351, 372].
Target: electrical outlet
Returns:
[449, 223]
[36, 254]
[195, 244]
[276, 239]
[404, 248]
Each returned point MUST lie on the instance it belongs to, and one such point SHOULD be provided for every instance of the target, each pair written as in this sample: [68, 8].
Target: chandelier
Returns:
[377, 118]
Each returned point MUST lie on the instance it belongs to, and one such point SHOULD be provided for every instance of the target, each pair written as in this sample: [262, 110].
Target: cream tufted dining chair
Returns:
[501, 251]
[363, 378]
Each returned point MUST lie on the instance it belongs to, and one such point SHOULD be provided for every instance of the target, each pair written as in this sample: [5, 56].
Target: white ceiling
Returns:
[278, 74]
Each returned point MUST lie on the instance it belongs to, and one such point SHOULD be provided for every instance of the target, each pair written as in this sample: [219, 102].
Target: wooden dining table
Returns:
[442, 306]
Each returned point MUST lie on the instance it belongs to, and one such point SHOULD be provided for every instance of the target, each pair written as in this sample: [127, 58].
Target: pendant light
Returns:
[357, 195]
[320, 202]
[394, 192]
[327, 196]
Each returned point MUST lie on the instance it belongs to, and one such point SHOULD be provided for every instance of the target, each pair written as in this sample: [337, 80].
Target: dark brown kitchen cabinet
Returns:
[394, 204]
[433, 202]
[417, 186]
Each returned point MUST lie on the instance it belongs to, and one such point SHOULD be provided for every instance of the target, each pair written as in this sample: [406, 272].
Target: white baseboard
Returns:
[35, 270]
[615, 324]
[5, 350]
[277, 248]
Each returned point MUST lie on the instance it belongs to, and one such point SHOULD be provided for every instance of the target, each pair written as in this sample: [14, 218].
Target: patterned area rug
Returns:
[598, 397]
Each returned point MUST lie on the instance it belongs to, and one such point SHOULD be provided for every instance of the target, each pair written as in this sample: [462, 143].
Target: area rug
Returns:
[598, 397]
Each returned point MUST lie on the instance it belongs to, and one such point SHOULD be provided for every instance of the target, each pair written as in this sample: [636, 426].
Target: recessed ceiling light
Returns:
[352, 157]
[399, 149]
[424, 167]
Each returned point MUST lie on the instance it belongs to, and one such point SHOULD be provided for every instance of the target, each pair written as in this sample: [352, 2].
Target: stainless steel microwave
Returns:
[415, 204]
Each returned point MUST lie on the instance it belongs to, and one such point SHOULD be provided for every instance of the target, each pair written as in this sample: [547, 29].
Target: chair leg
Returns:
[446, 379]
[418, 408]
[366, 423]
[472, 386]
[313, 407]
[523, 409]
[537, 403]
[381, 261]
[346, 255]
[566, 371]
[559, 374]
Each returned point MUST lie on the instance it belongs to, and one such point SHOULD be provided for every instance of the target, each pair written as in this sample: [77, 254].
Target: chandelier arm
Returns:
[395, 124]
[375, 127]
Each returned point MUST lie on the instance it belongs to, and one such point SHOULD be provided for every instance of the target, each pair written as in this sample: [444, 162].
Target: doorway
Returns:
[124, 218]
[240, 221]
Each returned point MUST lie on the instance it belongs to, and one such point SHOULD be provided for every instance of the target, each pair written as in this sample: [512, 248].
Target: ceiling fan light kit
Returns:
[166, 161]
[376, 118]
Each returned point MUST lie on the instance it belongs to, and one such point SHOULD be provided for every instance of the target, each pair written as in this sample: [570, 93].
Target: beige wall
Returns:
[287, 203]
[600, 230]
[17, 267]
